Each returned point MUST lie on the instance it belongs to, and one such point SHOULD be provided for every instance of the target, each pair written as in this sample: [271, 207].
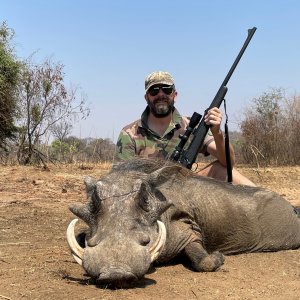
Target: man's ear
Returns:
[175, 96]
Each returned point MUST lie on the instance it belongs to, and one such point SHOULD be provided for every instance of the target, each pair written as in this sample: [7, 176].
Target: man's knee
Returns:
[238, 178]
[217, 171]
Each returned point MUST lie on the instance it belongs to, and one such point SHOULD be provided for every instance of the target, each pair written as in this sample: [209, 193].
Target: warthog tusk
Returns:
[156, 248]
[76, 250]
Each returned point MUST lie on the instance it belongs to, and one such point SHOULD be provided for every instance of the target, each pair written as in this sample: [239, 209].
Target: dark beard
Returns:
[161, 107]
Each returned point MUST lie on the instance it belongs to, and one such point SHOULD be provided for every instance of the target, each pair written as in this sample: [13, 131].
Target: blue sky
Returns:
[109, 46]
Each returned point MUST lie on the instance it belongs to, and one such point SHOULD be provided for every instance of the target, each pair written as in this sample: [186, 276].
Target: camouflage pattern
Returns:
[136, 139]
[158, 77]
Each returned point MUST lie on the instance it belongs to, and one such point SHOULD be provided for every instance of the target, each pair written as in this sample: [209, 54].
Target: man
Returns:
[156, 134]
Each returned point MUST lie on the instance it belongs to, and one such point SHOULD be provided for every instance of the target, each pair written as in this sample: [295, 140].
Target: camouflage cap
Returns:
[158, 77]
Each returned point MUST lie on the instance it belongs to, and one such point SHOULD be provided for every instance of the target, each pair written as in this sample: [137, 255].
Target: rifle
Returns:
[188, 157]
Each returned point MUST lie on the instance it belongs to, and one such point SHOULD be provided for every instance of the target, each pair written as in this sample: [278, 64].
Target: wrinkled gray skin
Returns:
[203, 218]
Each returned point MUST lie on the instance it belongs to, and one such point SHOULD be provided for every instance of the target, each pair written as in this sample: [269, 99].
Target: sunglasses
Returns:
[154, 90]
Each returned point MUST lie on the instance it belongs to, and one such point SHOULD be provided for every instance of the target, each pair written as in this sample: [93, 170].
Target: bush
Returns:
[271, 130]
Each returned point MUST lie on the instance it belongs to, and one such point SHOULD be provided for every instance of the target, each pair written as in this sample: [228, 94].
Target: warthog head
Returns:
[125, 235]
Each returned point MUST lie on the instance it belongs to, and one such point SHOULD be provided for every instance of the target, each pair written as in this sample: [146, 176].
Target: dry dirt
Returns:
[35, 262]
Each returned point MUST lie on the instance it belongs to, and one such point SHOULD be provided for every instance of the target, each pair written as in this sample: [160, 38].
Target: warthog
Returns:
[144, 211]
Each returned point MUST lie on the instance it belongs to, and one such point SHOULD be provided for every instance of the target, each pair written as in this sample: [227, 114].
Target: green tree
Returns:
[59, 150]
[9, 78]
[46, 102]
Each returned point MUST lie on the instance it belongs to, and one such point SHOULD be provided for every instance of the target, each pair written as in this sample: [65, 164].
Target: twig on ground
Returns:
[4, 297]
[10, 244]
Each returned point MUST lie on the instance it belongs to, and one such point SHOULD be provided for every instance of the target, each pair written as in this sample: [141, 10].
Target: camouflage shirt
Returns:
[137, 139]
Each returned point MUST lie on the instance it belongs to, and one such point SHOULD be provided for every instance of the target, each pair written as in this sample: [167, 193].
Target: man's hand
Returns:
[214, 119]
[217, 147]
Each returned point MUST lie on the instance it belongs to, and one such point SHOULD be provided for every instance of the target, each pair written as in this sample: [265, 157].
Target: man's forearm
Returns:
[220, 148]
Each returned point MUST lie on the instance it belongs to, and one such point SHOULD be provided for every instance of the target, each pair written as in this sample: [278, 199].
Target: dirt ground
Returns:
[35, 262]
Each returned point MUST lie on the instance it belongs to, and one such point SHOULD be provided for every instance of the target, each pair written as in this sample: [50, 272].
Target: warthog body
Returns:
[200, 217]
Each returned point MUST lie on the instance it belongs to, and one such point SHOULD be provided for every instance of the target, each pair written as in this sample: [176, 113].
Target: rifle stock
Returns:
[188, 157]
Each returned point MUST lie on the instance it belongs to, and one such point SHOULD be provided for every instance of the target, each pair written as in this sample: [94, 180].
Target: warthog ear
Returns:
[90, 184]
[164, 174]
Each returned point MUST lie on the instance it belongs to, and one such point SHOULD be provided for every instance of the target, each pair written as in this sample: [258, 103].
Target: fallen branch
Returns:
[10, 244]
[4, 297]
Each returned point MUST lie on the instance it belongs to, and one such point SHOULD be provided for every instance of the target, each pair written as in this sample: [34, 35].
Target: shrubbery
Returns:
[270, 131]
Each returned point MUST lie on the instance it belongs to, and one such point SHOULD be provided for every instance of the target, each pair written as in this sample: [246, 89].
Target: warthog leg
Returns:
[201, 260]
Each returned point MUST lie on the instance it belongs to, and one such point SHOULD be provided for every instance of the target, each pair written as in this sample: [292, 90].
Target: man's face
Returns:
[160, 99]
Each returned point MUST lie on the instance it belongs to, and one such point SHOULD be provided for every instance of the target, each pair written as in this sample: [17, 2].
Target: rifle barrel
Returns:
[190, 154]
[247, 41]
